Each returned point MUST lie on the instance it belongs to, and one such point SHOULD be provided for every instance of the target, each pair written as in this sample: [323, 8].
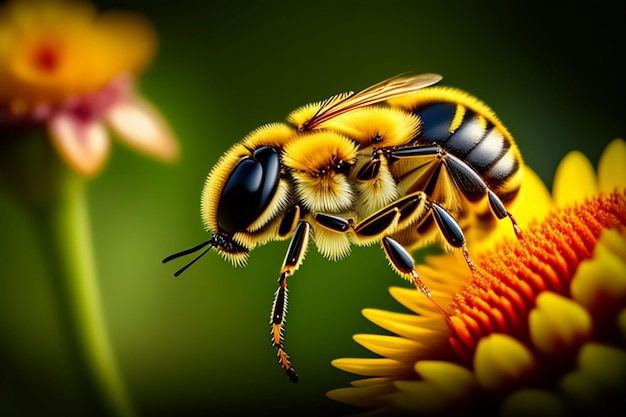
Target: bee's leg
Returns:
[290, 221]
[410, 208]
[500, 211]
[403, 263]
[473, 187]
[465, 177]
[377, 224]
[451, 231]
[293, 259]
[370, 170]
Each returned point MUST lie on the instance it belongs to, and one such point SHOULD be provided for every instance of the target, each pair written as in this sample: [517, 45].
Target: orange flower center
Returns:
[503, 289]
[54, 51]
[45, 58]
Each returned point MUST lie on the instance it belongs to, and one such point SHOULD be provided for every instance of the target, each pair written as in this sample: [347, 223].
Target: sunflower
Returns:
[538, 328]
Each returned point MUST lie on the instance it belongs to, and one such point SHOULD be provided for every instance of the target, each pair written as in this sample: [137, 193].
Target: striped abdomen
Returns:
[468, 129]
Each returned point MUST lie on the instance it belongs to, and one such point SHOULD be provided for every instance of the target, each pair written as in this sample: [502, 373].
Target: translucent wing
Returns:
[392, 87]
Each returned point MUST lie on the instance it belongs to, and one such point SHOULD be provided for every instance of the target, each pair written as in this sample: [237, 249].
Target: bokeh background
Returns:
[198, 345]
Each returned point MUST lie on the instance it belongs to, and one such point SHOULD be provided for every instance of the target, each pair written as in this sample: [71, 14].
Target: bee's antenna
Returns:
[187, 252]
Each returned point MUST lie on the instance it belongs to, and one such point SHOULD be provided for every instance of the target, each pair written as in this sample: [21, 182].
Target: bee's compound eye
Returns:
[249, 190]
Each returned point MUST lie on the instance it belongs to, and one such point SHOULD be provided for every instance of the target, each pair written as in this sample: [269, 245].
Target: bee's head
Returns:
[237, 196]
[243, 196]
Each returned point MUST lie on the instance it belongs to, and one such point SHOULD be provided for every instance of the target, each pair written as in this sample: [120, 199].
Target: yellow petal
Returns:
[420, 398]
[372, 367]
[407, 325]
[415, 301]
[366, 396]
[558, 325]
[600, 282]
[612, 167]
[371, 381]
[599, 381]
[578, 390]
[535, 199]
[142, 127]
[455, 380]
[447, 272]
[574, 181]
[83, 144]
[394, 347]
[501, 361]
[533, 402]
[605, 365]
[533, 203]
[127, 42]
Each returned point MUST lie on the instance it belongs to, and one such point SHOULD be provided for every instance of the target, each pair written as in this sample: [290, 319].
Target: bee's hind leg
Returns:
[293, 259]
[404, 264]
[500, 211]
[451, 231]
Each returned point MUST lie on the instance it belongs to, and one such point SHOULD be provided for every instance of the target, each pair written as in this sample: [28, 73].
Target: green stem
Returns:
[56, 198]
[65, 232]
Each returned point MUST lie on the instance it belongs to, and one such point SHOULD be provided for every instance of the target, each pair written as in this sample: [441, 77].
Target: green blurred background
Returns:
[198, 345]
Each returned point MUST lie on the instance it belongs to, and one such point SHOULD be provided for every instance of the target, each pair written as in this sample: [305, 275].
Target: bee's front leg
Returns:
[293, 259]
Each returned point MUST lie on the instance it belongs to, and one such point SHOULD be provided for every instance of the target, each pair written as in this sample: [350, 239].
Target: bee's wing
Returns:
[385, 90]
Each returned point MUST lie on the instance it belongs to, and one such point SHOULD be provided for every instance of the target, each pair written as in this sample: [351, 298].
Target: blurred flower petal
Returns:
[558, 325]
[575, 167]
[612, 167]
[64, 65]
[603, 364]
[419, 397]
[597, 385]
[406, 325]
[454, 379]
[84, 144]
[368, 382]
[533, 402]
[502, 362]
[127, 36]
[535, 199]
[365, 396]
[52, 51]
[600, 282]
[393, 347]
[422, 306]
[371, 367]
[143, 128]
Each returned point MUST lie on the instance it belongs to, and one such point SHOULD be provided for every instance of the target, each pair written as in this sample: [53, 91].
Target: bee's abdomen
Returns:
[474, 139]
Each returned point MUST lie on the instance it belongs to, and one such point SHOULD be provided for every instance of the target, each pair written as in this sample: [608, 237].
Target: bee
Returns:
[401, 163]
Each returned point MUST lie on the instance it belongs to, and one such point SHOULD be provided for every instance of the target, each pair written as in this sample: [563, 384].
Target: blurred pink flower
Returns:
[65, 65]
